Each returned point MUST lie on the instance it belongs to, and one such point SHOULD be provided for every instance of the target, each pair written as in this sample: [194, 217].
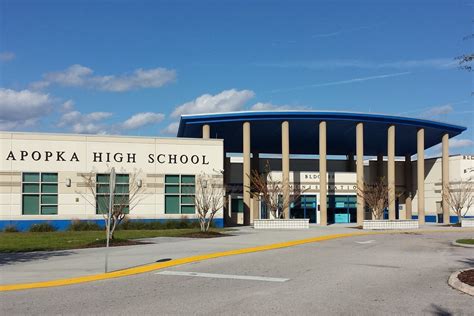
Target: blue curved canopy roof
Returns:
[304, 131]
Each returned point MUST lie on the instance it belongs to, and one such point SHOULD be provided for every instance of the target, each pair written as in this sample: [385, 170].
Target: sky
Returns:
[133, 67]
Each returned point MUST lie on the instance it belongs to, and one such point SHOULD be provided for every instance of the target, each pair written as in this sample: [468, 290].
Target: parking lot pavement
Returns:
[366, 275]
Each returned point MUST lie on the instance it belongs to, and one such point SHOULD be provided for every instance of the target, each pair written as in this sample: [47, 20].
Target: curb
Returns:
[455, 283]
[454, 243]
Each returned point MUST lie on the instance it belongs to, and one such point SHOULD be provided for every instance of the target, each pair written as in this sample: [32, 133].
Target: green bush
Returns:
[42, 228]
[77, 225]
[10, 229]
[157, 225]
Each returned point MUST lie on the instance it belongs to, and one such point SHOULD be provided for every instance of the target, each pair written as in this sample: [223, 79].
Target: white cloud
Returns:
[7, 56]
[460, 143]
[226, 101]
[81, 76]
[438, 110]
[67, 106]
[22, 108]
[171, 129]
[142, 119]
[90, 123]
[261, 106]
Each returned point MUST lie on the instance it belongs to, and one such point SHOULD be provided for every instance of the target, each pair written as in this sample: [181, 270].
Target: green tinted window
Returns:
[49, 177]
[30, 177]
[103, 188]
[30, 188]
[122, 178]
[49, 188]
[30, 204]
[102, 204]
[171, 179]
[187, 189]
[187, 209]
[49, 199]
[103, 178]
[237, 205]
[171, 188]
[171, 204]
[121, 188]
[187, 179]
[49, 209]
[187, 199]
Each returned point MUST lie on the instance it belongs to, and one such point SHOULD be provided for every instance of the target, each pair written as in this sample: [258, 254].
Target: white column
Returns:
[445, 177]
[391, 172]
[246, 172]
[206, 131]
[408, 187]
[420, 174]
[285, 165]
[360, 172]
[322, 175]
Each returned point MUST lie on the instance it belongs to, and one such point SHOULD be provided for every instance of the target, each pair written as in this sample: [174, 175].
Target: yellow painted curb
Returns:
[175, 262]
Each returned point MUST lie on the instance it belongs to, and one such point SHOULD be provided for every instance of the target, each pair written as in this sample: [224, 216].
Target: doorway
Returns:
[304, 207]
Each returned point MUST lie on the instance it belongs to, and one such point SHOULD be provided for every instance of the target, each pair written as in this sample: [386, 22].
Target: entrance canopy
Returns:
[304, 131]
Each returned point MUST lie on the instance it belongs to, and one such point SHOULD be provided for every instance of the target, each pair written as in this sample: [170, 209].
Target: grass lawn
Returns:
[24, 242]
[466, 241]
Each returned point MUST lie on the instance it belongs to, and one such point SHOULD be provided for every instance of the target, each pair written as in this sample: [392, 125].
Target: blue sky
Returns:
[132, 67]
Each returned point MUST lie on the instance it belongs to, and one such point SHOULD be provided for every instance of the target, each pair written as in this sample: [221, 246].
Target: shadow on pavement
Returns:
[468, 261]
[438, 310]
[21, 257]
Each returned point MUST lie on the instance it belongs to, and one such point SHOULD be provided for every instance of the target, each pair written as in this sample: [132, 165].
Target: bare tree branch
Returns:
[459, 197]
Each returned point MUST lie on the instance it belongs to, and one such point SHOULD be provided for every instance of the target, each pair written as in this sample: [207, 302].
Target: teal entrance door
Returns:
[304, 207]
[342, 208]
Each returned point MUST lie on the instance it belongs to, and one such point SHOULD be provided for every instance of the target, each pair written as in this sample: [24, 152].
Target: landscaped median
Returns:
[47, 241]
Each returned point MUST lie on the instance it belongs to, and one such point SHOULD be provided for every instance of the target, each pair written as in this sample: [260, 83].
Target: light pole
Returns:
[109, 215]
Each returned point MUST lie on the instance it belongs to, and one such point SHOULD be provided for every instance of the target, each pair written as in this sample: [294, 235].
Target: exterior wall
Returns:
[149, 158]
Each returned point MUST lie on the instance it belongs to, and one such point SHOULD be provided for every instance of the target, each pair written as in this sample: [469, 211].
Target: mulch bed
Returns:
[204, 235]
[467, 277]
[114, 243]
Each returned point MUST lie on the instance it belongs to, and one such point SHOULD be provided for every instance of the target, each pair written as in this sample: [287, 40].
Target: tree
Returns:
[270, 191]
[127, 196]
[459, 196]
[375, 196]
[209, 199]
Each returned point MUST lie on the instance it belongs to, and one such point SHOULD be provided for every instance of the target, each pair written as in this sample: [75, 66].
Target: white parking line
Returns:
[222, 276]
[365, 242]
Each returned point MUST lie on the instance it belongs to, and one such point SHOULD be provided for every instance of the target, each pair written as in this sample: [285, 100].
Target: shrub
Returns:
[77, 225]
[41, 228]
[10, 229]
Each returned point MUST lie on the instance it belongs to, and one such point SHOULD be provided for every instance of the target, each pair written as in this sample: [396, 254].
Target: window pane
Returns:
[103, 188]
[187, 209]
[187, 179]
[121, 178]
[103, 178]
[171, 179]
[172, 188]
[30, 177]
[187, 199]
[237, 205]
[121, 199]
[121, 188]
[102, 204]
[49, 177]
[49, 199]
[187, 189]
[49, 188]
[30, 188]
[50, 209]
[172, 204]
[30, 204]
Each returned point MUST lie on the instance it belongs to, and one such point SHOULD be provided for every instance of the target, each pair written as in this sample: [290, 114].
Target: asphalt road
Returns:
[367, 275]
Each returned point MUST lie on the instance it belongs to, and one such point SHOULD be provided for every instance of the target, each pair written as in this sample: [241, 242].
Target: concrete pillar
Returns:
[323, 175]
[420, 174]
[391, 171]
[246, 172]
[379, 167]
[285, 165]
[206, 131]
[408, 187]
[360, 172]
[445, 177]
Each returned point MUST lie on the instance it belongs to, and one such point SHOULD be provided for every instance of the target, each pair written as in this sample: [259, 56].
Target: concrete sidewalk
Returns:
[52, 265]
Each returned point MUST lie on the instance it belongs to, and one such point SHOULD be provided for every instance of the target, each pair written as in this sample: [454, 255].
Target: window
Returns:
[237, 205]
[39, 193]
[121, 196]
[179, 194]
